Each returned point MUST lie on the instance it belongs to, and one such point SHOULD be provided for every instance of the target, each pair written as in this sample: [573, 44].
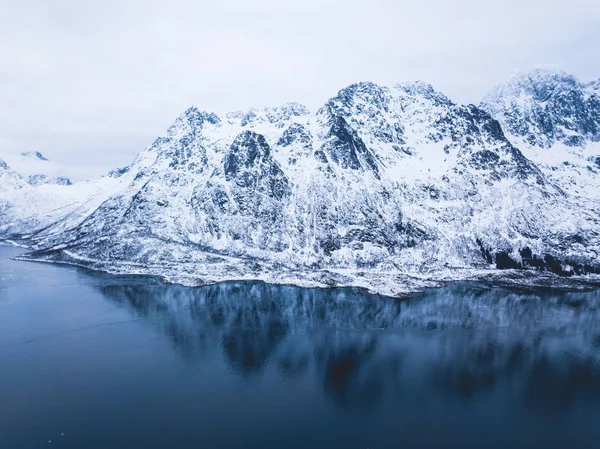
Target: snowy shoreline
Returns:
[389, 284]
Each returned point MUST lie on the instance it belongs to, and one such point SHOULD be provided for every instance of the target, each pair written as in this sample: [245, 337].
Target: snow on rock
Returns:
[9, 179]
[36, 180]
[555, 120]
[546, 106]
[387, 188]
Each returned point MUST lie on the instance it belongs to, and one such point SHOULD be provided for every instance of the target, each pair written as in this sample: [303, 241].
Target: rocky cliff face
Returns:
[555, 120]
[377, 187]
[545, 107]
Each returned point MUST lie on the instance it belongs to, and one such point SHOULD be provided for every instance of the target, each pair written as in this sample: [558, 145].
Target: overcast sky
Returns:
[91, 83]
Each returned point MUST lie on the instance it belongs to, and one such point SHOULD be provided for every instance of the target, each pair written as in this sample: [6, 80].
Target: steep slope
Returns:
[555, 120]
[9, 179]
[27, 210]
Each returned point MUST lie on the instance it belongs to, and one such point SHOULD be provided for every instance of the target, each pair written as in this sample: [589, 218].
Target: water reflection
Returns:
[461, 341]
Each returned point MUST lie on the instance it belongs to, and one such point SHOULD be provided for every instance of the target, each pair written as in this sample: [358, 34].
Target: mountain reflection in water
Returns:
[459, 341]
[97, 361]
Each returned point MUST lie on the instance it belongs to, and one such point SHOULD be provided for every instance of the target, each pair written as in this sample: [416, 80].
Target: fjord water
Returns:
[89, 360]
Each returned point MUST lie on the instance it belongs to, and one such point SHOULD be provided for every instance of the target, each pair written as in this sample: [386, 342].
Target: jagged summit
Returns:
[191, 121]
[543, 80]
[538, 84]
[555, 120]
[421, 88]
[380, 96]
[546, 106]
[364, 91]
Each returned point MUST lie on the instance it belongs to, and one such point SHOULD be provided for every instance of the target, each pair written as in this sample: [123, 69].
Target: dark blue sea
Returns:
[93, 361]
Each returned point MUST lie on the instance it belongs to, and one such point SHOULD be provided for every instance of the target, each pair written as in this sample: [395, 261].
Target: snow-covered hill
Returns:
[382, 187]
[9, 179]
[555, 120]
[27, 208]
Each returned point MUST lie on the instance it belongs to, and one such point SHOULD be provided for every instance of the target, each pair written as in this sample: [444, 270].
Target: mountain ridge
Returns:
[36, 168]
[555, 120]
[384, 187]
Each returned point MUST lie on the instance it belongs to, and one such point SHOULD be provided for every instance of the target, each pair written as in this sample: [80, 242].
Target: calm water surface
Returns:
[93, 361]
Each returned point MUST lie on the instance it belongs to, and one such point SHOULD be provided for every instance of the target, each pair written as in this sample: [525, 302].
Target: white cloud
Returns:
[92, 83]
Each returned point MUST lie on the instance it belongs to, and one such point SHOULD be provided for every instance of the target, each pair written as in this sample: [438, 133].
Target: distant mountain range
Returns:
[387, 188]
[36, 169]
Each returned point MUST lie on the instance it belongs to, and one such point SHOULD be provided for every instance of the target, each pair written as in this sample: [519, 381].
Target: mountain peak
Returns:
[191, 121]
[545, 106]
[34, 154]
[546, 75]
[538, 84]
[363, 91]
[422, 89]
[415, 87]
[9, 179]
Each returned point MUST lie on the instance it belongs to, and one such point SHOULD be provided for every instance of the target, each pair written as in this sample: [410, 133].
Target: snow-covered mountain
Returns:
[379, 187]
[546, 106]
[27, 207]
[9, 179]
[36, 168]
[37, 180]
[555, 120]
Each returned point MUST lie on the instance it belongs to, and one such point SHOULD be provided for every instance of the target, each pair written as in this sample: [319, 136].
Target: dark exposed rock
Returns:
[546, 262]
[296, 133]
[118, 172]
[345, 148]
[250, 166]
[595, 160]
